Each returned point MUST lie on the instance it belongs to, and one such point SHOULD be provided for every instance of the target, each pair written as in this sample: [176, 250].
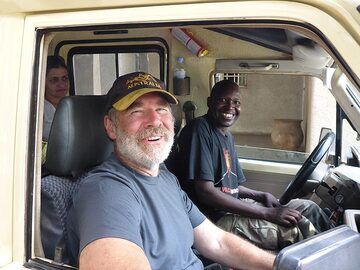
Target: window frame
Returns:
[163, 51]
[42, 24]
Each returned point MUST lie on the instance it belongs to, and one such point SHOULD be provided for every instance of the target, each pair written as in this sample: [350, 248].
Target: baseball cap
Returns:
[129, 87]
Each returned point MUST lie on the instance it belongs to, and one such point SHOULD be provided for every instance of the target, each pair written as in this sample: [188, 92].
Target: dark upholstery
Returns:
[177, 112]
[77, 138]
[189, 109]
[170, 162]
[56, 194]
[77, 142]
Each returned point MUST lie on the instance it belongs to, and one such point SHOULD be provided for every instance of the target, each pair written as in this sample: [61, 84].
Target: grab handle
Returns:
[264, 66]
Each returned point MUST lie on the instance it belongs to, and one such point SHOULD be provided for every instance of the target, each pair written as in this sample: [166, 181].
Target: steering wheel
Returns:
[307, 168]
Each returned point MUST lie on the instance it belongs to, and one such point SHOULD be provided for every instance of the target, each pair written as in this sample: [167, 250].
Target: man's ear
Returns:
[110, 127]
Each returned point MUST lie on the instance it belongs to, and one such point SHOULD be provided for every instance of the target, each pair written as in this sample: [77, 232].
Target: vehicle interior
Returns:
[291, 81]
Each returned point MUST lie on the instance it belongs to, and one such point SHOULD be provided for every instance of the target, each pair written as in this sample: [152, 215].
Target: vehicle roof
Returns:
[347, 12]
[31, 6]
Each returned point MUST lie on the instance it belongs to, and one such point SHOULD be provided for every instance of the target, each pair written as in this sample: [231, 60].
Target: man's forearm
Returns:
[229, 249]
[213, 197]
[256, 195]
[238, 253]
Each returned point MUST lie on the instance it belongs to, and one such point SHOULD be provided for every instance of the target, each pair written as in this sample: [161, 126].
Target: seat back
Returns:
[177, 113]
[170, 162]
[77, 138]
[189, 109]
[77, 142]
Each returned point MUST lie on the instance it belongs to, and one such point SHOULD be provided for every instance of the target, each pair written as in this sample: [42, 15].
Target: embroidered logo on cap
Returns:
[142, 79]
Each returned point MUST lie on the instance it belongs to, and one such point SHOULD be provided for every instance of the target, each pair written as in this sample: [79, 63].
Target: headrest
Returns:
[189, 109]
[77, 138]
[177, 113]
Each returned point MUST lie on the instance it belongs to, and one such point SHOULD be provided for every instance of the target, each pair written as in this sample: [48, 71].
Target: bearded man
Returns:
[130, 212]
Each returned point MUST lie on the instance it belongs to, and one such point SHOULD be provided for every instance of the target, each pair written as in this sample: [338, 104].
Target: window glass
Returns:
[239, 78]
[95, 73]
[350, 142]
[274, 105]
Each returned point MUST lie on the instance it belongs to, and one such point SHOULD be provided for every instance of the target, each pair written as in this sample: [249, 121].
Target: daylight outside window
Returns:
[106, 67]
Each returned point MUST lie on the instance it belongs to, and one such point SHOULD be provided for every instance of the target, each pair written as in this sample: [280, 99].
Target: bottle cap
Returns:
[180, 59]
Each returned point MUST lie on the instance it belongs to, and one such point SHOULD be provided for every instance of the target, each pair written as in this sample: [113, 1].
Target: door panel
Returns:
[266, 176]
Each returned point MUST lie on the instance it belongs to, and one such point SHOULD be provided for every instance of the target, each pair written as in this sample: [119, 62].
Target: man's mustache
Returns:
[153, 132]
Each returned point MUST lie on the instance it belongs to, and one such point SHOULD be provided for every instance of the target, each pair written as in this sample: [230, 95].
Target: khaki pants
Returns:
[272, 236]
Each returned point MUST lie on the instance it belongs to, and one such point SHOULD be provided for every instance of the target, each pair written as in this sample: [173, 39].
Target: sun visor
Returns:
[311, 56]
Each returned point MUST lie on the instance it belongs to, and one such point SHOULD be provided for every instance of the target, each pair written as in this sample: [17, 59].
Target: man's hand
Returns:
[269, 200]
[282, 216]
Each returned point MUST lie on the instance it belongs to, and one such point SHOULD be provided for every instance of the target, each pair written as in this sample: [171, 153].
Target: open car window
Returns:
[256, 53]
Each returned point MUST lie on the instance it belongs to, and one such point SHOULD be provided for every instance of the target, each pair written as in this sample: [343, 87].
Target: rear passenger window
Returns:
[94, 71]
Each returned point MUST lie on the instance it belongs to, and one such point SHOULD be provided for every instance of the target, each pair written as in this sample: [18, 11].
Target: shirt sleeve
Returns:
[106, 208]
[195, 216]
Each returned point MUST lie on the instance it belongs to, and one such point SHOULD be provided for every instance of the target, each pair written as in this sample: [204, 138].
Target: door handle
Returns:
[264, 67]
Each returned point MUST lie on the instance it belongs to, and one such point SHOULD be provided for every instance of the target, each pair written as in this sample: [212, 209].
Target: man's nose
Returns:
[230, 104]
[153, 118]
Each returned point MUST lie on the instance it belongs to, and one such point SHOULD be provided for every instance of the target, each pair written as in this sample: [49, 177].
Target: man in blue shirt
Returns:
[130, 212]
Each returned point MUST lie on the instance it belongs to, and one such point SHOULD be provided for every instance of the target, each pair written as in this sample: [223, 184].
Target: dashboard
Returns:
[339, 192]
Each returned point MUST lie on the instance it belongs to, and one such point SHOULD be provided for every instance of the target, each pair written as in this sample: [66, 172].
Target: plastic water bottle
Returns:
[179, 72]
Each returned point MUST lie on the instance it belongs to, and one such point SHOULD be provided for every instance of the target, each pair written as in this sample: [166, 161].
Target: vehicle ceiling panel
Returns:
[272, 38]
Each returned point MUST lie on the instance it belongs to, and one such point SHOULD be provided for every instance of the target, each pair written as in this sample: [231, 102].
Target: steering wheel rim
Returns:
[307, 168]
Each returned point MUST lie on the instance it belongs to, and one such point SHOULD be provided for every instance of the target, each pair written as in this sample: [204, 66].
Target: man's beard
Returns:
[148, 156]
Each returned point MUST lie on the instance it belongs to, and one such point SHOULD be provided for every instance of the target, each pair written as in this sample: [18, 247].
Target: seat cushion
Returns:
[56, 199]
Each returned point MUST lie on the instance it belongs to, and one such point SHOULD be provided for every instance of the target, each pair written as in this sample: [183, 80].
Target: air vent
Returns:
[239, 78]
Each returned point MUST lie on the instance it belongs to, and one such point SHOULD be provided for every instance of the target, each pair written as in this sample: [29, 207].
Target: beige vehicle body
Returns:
[314, 91]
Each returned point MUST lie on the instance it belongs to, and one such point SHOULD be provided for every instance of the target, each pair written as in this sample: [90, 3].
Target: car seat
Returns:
[178, 117]
[77, 142]
[189, 109]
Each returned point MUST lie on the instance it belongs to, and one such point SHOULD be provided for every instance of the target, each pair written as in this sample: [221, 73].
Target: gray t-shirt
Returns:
[152, 212]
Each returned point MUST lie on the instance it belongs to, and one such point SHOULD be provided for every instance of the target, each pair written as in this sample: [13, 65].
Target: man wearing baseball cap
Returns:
[130, 212]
